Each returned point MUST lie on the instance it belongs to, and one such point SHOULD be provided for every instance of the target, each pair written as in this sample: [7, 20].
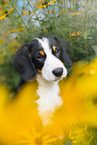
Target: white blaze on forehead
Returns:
[51, 62]
[45, 45]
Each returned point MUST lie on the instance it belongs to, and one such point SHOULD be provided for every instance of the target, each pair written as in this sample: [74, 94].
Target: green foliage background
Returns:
[73, 20]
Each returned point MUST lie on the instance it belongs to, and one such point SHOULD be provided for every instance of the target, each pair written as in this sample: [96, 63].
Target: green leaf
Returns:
[86, 34]
[95, 48]
[89, 38]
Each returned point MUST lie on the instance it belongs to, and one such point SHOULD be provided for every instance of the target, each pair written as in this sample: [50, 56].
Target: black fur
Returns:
[23, 63]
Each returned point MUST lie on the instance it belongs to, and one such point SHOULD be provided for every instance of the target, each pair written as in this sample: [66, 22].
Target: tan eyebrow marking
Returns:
[54, 48]
[41, 52]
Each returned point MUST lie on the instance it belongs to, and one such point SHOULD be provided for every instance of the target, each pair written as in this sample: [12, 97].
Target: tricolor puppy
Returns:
[45, 59]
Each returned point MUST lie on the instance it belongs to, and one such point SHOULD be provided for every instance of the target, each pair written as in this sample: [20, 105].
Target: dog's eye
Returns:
[38, 56]
[57, 51]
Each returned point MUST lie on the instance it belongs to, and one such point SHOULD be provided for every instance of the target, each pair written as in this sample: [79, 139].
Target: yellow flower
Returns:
[78, 33]
[1, 41]
[13, 51]
[17, 30]
[18, 114]
[3, 17]
[74, 14]
[45, 5]
[36, 138]
[28, 13]
[79, 93]
[2, 10]
[73, 34]
[52, 2]
[39, 2]
[4, 1]
[1, 60]
[89, 75]
[20, 123]
[46, 31]
[77, 13]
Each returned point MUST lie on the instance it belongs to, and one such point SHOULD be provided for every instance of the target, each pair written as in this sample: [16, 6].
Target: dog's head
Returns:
[47, 55]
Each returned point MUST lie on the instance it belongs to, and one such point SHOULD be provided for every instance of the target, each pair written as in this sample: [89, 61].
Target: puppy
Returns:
[45, 59]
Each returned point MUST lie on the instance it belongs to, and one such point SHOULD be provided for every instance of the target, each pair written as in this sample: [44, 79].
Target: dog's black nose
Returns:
[58, 71]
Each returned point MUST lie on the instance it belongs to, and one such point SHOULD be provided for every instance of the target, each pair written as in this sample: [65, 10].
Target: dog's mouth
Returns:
[59, 78]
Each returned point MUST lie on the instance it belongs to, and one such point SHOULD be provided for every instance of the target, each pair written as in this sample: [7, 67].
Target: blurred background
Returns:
[73, 20]
[22, 20]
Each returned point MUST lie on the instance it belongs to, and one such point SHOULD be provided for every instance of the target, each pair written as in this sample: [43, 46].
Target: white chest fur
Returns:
[49, 97]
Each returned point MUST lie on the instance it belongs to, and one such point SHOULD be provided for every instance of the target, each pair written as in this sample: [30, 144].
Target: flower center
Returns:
[38, 141]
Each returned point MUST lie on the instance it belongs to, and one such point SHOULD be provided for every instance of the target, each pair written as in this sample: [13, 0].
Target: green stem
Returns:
[35, 14]
[85, 38]
[19, 16]
[63, 34]
[70, 42]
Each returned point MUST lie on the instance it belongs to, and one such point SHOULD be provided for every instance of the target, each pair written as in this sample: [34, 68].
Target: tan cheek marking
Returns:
[41, 52]
[40, 71]
[54, 48]
[30, 55]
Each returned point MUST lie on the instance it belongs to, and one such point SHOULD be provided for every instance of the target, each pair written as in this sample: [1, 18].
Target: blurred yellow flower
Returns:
[76, 33]
[3, 17]
[74, 14]
[18, 114]
[17, 30]
[2, 10]
[20, 123]
[73, 34]
[77, 13]
[1, 41]
[36, 138]
[5, 1]
[1, 60]
[24, 14]
[46, 31]
[45, 5]
[78, 105]
[88, 75]
[14, 44]
[39, 2]
[13, 51]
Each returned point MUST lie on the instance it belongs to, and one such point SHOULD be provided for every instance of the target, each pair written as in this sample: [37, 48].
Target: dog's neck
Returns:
[49, 98]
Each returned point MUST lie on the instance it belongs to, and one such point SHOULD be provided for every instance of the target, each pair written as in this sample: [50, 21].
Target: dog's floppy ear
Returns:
[23, 63]
[65, 55]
